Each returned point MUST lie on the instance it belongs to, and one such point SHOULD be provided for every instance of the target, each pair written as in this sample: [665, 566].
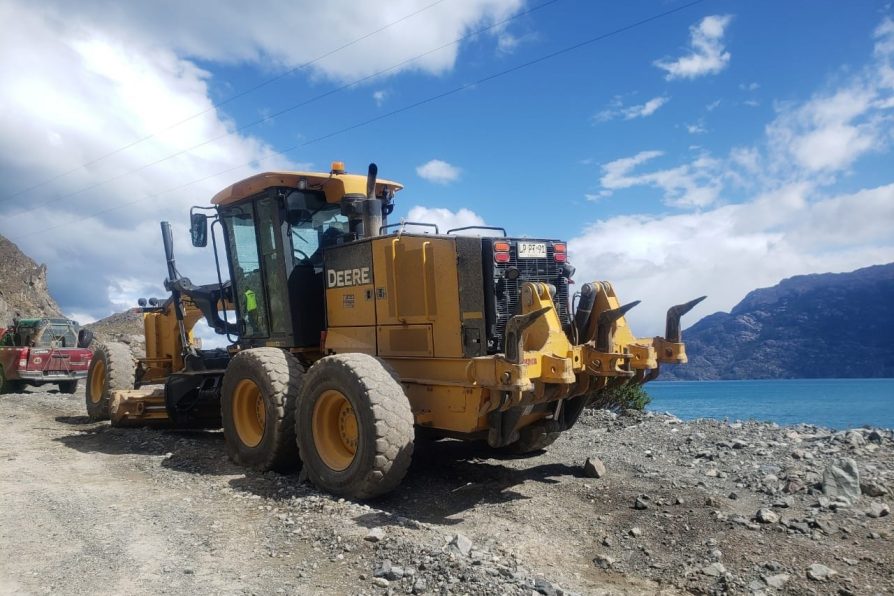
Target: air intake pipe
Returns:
[366, 214]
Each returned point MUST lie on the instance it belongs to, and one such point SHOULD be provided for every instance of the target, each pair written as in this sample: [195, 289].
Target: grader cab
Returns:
[348, 337]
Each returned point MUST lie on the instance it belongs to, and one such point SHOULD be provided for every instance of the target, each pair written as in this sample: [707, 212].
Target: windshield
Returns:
[57, 335]
[314, 225]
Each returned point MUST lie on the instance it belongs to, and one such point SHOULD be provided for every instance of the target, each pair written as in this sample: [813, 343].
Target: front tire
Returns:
[111, 368]
[355, 426]
[258, 409]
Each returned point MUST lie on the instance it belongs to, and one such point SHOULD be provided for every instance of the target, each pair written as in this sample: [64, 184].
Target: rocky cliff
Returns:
[23, 286]
[808, 326]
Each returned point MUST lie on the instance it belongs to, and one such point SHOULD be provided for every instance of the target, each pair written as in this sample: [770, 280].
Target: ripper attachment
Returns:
[672, 331]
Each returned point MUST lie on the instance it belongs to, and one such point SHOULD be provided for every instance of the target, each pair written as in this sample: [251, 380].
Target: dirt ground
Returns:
[90, 509]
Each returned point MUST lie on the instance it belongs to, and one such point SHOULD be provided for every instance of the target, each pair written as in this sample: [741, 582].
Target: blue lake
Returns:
[835, 403]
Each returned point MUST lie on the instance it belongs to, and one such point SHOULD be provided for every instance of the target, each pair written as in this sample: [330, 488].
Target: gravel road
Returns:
[701, 507]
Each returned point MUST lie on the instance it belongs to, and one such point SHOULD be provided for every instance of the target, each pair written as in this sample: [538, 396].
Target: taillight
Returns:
[559, 252]
[501, 252]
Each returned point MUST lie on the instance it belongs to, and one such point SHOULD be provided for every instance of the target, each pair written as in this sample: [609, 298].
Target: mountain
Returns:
[830, 325]
[23, 286]
[125, 327]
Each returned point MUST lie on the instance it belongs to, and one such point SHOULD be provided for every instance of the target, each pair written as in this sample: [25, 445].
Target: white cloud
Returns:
[697, 128]
[76, 84]
[438, 171]
[276, 33]
[707, 54]
[690, 185]
[617, 109]
[446, 219]
[379, 96]
[730, 250]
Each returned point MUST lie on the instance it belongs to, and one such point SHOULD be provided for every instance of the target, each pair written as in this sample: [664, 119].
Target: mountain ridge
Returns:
[821, 325]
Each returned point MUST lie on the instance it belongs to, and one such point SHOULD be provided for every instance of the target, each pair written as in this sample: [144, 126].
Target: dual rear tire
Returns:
[347, 420]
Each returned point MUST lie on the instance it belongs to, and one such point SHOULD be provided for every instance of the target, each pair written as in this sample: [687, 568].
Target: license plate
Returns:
[531, 250]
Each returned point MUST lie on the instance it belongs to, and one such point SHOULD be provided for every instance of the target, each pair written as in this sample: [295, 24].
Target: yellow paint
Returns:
[336, 186]
[335, 430]
[249, 413]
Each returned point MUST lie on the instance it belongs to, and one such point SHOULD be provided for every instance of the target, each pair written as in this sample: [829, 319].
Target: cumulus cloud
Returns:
[707, 54]
[79, 84]
[728, 251]
[276, 33]
[617, 109]
[438, 171]
[446, 219]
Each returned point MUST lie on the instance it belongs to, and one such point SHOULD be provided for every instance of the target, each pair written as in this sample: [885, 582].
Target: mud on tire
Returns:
[268, 380]
[112, 367]
[383, 438]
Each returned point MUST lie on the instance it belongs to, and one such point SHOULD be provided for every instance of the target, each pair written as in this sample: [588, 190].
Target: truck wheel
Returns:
[533, 438]
[68, 386]
[354, 426]
[8, 386]
[257, 408]
[111, 368]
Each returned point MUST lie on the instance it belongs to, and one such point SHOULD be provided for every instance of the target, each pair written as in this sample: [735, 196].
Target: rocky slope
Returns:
[23, 286]
[809, 326]
[123, 327]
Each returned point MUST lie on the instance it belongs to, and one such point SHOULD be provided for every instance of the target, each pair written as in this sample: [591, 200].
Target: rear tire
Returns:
[257, 408]
[355, 426]
[68, 386]
[112, 368]
[8, 386]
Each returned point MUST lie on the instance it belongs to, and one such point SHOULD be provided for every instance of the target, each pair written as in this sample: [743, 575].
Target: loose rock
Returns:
[842, 480]
[819, 572]
[594, 468]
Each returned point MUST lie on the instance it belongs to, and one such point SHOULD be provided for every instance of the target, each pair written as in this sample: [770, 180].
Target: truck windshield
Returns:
[314, 225]
[57, 336]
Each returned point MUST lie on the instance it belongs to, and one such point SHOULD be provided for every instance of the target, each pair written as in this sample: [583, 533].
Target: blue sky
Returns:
[711, 151]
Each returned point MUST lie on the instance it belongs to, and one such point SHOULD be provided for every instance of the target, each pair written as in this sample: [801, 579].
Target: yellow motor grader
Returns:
[348, 337]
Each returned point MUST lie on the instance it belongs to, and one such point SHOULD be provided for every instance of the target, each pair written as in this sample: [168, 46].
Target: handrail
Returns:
[479, 228]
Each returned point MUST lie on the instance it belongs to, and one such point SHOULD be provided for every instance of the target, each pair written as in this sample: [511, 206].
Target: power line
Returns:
[225, 101]
[430, 99]
[285, 110]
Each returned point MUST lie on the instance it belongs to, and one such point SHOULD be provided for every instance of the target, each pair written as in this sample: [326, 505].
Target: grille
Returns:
[506, 292]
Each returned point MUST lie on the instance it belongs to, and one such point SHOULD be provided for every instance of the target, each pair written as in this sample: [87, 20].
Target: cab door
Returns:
[255, 247]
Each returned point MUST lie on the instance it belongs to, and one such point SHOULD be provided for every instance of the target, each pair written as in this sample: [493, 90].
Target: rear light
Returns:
[559, 252]
[23, 363]
[501, 252]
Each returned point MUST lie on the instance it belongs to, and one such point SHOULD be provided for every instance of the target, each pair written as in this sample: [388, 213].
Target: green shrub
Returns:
[628, 396]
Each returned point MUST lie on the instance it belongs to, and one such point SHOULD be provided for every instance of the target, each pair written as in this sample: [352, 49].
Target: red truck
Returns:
[46, 350]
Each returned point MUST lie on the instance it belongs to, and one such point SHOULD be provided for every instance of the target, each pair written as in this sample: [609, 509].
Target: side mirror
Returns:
[85, 338]
[198, 229]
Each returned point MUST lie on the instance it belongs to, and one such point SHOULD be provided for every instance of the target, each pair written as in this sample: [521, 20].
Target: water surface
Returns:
[836, 403]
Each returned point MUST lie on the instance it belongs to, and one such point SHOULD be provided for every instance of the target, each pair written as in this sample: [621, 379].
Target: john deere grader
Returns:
[349, 337]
